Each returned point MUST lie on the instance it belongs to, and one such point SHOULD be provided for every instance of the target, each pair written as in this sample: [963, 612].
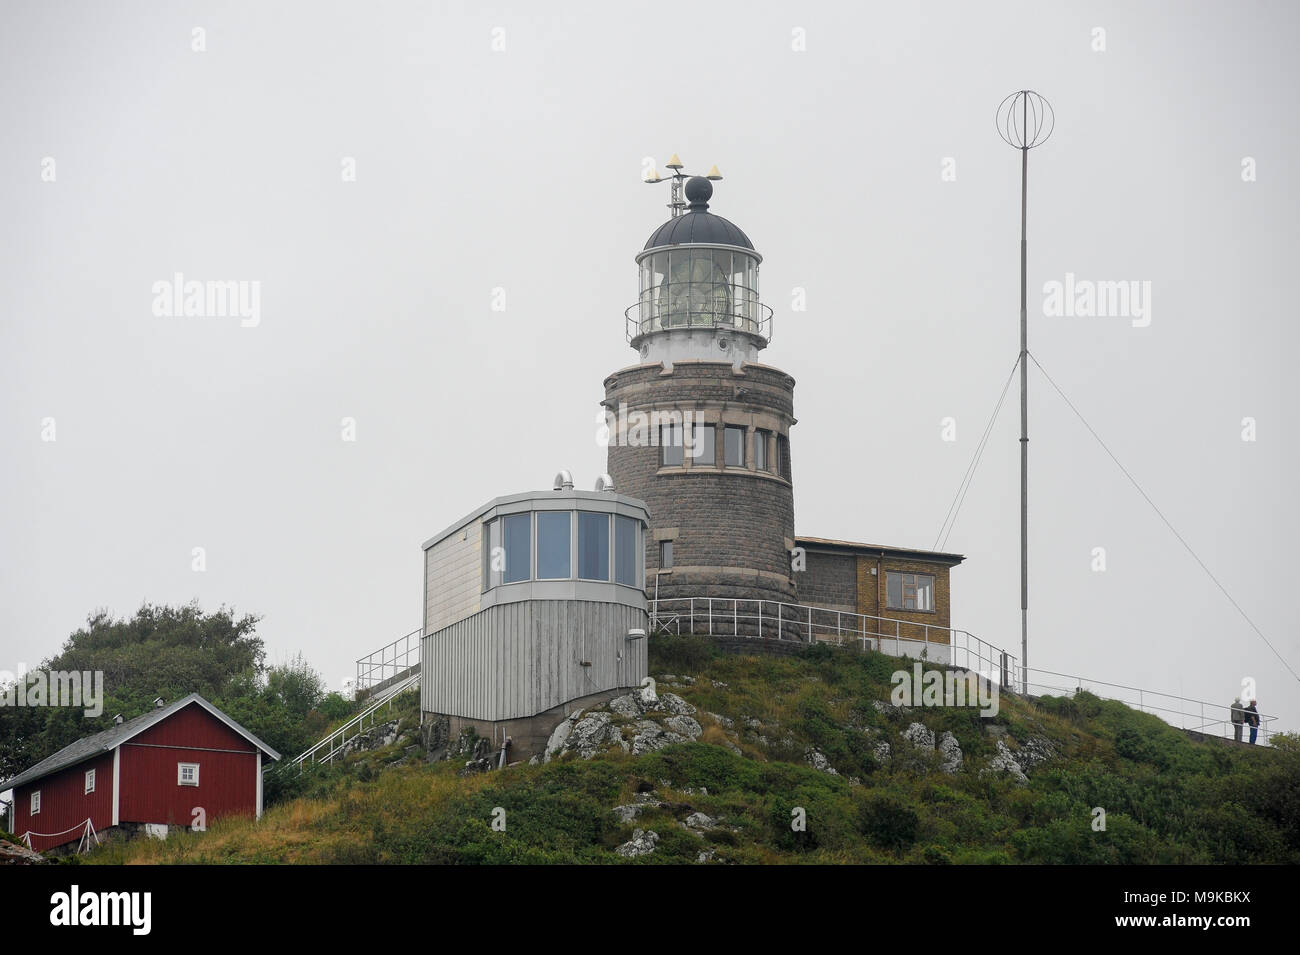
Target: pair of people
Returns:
[1244, 715]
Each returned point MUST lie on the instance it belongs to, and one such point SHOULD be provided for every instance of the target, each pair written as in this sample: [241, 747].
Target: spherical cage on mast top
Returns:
[1025, 120]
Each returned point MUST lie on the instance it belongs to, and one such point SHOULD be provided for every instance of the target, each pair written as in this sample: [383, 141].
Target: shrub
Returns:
[888, 822]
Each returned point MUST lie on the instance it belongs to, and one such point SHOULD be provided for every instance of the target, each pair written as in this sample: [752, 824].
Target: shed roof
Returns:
[908, 553]
[109, 739]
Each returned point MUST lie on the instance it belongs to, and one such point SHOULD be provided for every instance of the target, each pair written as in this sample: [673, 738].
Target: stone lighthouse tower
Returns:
[699, 428]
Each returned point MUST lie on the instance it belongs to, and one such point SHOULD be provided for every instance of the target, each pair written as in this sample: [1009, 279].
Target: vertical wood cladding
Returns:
[734, 526]
[65, 803]
[227, 770]
[514, 660]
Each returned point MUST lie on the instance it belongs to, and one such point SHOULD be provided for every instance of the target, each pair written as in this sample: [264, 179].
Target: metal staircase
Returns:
[381, 676]
[333, 744]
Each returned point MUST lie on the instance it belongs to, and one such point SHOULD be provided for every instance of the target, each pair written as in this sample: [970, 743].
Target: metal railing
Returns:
[333, 744]
[725, 616]
[754, 319]
[389, 662]
[1212, 719]
[773, 619]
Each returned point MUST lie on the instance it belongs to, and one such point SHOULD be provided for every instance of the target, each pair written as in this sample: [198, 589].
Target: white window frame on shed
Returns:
[180, 774]
[35, 806]
[90, 781]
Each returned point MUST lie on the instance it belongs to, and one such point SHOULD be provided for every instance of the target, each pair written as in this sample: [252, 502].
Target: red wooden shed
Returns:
[175, 765]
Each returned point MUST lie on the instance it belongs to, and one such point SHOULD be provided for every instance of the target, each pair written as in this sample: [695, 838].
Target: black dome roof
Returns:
[699, 224]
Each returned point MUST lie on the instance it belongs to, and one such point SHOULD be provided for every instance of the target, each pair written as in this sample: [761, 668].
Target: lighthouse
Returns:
[700, 427]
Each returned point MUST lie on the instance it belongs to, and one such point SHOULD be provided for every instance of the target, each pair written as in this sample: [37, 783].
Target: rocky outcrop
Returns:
[1004, 763]
[919, 736]
[950, 754]
[14, 854]
[642, 843]
[658, 720]
[1033, 752]
[377, 737]
[818, 761]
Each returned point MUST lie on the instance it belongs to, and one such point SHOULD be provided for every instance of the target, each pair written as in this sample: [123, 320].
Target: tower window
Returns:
[761, 438]
[734, 446]
[670, 445]
[909, 592]
[783, 456]
[704, 451]
[665, 555]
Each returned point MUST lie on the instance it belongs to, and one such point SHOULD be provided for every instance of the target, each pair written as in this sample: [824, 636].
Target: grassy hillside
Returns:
[1166, 797]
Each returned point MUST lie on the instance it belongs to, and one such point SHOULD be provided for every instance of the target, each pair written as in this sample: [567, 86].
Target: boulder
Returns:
[684, 726]
[918, 736]
[1004, 763]
[642, 843]
[950, 753]
[818, 761]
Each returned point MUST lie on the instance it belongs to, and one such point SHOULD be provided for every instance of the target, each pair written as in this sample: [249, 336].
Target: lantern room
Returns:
[698, 288]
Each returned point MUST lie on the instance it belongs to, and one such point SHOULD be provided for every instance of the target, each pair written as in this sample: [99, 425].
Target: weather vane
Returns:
[677, 201]
[1024, 120]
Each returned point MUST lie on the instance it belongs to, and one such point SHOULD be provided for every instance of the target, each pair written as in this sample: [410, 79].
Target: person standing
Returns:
[1252, 720]
[1238, 718]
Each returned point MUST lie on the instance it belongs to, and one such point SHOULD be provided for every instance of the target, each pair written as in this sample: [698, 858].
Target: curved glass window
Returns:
[562, 545]
[688, 286]
[593, 546]
[518, 547]
[553, 545]
[626, 553]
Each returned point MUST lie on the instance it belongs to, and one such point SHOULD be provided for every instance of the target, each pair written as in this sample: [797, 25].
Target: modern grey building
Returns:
[534, 606]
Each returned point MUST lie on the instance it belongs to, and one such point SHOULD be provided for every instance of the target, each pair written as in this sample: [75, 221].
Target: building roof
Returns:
[114, 736]
[564, 500]
[910, 553]
[698, 225]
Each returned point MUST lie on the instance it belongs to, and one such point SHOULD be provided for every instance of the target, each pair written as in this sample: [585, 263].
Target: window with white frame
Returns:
[36, 803]
[909, 591]
[90, 780]
[187, 774]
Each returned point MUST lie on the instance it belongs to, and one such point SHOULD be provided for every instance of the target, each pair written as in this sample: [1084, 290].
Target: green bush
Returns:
[888, 822]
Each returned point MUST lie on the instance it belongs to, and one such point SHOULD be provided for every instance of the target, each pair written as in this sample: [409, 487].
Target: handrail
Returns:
[1202, 710]
[389, 660]
[723, 616]
[384, 696]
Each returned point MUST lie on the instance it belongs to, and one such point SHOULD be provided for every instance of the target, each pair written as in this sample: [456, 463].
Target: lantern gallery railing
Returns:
[646, 317]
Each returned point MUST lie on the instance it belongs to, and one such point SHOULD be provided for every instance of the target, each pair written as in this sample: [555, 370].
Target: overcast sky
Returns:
[480, 168]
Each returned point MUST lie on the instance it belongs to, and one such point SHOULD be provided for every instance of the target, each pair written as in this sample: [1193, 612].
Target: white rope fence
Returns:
[87, 833]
